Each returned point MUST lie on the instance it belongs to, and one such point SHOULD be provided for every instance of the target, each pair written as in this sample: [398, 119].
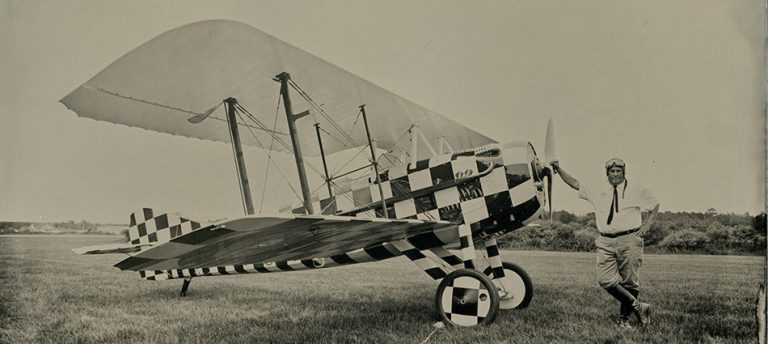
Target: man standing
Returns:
[618, 215]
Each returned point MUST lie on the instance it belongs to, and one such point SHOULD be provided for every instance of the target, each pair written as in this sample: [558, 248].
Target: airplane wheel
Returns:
[467, 298]
[515, 289]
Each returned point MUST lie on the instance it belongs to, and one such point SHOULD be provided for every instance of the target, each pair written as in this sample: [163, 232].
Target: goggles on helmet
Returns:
[615, 162]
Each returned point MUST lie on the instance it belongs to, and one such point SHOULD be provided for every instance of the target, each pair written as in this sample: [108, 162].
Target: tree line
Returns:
[673, 232]
[7, 227]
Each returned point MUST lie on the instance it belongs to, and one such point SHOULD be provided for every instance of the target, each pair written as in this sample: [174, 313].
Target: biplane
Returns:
[431, 200]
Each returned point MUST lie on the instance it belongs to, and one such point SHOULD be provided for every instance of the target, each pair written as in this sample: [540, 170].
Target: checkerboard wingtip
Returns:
[150, 226]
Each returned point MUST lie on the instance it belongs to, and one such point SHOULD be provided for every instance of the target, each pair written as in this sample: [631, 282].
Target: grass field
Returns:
[50, 295]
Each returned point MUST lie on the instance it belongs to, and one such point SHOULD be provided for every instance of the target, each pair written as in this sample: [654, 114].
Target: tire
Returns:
[467, 298]
[518, 291]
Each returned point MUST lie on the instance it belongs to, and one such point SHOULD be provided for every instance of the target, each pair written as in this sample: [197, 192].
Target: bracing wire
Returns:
[400, 139]
[279, 140]
[264, 127]
[333, 123]
[282, 143]
[287, 147]
[352, 159]
[335, 165]
[322, 111]
[314, 104]
[402, 136]
[269, 156]
[346, 195]
[354, 124]
[278, 169]
[331, 135]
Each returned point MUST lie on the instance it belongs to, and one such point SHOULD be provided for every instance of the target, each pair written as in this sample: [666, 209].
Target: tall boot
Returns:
[626, 309]
[642, 310]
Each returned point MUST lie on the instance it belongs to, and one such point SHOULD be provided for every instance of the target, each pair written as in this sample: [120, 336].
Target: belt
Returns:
[618, 234]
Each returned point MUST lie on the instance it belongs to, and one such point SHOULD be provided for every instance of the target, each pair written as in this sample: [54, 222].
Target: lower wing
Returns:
[260, 239]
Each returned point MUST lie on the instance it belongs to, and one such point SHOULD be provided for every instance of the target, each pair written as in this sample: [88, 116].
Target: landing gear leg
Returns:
[185, 286]
[466, 297]
[514, 285]
[467, 246]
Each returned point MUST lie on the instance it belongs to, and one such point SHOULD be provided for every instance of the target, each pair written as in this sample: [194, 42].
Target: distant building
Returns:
[110, 229]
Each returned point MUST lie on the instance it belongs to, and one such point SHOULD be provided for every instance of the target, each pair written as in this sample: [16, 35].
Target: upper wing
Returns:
[187, 71]
[260, 239]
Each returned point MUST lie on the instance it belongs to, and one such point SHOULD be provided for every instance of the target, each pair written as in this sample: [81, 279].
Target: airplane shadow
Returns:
[323, 307]
[377, 308]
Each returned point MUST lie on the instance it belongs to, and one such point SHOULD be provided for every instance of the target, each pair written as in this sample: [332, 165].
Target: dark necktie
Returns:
[614, 204]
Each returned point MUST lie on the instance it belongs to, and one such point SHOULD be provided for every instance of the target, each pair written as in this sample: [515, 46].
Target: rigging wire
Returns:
[333, 123]
[314, 104]
[269, 156]
[279, 140]
[402, 136]
[264, 127]
[359, 112]
[322, 111]
[278, 169]
[274, 137]
[398, 142]
[354, 124]
[353, 158]
[347, 195]
[331, 135]
[330, 180]
[283, 144]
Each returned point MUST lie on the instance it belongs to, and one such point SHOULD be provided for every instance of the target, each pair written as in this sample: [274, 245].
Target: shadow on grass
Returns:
[702, 319]
[346, 314]
[8, 305]
[323, 316]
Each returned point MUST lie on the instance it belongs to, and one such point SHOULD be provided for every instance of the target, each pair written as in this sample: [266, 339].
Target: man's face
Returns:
[615, 175]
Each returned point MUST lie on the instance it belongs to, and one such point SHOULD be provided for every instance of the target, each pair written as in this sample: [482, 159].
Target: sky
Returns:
[677, 89]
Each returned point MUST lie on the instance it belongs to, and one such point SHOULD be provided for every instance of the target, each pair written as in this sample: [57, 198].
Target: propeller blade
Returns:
[549, 157]
[549, 195]
[550, 154]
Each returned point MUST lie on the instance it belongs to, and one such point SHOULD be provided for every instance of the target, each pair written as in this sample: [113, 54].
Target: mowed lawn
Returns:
[50, 295]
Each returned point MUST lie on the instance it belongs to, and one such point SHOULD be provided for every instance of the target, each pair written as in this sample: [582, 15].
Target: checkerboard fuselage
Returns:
[494, 188]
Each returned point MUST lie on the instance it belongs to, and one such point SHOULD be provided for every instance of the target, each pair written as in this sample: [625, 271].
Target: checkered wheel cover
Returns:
[467, 298]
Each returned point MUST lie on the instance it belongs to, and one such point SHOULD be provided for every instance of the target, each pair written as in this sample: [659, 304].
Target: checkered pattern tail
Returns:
[149, 226]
